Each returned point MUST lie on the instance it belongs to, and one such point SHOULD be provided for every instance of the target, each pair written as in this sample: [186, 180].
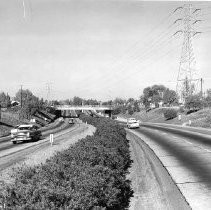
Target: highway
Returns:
[5, 142]
[11, 154]
[186, 154]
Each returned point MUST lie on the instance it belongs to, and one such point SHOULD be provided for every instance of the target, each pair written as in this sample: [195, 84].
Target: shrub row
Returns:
[91, 174]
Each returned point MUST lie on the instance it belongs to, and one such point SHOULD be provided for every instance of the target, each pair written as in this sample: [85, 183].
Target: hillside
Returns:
[201, 118]
[10, 118]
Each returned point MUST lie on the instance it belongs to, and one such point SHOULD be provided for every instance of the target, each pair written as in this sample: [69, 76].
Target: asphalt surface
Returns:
[5, 142]
[10, 153]
[186, 154]
[152, 185]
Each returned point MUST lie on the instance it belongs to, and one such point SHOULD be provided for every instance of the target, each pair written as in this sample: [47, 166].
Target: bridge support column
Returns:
[108, 112]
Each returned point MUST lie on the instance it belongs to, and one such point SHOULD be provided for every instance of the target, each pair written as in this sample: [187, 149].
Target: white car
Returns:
[133, 123]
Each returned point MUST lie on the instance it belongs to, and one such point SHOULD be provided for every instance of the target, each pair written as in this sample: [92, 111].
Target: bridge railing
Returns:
[83, 106]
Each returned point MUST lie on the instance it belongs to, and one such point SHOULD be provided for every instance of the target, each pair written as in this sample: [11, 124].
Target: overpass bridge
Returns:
[69, 110]
[84, 107]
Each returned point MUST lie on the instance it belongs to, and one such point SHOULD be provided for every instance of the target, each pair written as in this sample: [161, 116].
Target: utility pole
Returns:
[24, 9]
[48, 88]
[201, 87]
[21, 96]
[187, 78]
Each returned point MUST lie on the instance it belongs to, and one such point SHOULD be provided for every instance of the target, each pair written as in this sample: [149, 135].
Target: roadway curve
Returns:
[11, 154]
[186, 154]
[6, 144]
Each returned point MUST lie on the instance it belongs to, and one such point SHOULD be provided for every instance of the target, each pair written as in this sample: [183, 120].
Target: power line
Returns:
[140, 58]
[152, 43]
[138, 70]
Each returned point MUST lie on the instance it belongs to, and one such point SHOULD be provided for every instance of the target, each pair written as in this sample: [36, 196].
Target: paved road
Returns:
[186, 154]
[153, 187]
[10, 153]
[6, 144]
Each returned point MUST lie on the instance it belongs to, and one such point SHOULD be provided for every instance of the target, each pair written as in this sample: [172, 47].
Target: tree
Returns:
[117, 110]
[106, 103]
[194, 102]
[208, 98]
[170, 97]
[119, 101]
[131, 101]
[55, 103]
[156, 94]
[77, 101]
[30, 103]
[136, 107]
[130, 110]
[153, 94]
[26, 97]
[91, 102]
[4, 100]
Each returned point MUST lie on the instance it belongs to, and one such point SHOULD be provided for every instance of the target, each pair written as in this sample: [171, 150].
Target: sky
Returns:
[96, 49]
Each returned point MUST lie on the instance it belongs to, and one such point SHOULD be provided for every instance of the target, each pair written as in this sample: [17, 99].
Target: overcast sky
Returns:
[95, 49]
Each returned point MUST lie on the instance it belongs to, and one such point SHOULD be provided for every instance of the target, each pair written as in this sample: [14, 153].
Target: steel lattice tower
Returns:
[187, 79]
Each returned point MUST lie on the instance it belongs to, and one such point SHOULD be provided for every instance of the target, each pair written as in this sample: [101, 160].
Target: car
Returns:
[133, 123]
[25, 133]
[71, 121]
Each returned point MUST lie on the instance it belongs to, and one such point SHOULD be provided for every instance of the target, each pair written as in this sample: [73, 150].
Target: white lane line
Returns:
[207, 150]
[188, 142]
[194, 145]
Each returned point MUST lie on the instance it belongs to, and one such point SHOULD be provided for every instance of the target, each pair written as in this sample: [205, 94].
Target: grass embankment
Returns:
[91, 174]
[201, 118]
[10, 118]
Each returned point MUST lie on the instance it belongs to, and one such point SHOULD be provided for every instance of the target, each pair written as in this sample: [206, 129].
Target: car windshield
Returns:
[132, 119]
[25, 128]
[131, 122]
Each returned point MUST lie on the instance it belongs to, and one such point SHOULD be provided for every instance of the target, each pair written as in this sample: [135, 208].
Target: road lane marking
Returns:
[188, 142]
[207, 150]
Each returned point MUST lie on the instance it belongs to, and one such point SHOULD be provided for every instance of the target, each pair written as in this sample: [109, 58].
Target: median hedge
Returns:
[91, 174]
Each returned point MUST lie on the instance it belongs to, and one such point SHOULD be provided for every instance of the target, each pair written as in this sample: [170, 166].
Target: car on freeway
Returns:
[71, 121]
[133, 123]
[27, 132]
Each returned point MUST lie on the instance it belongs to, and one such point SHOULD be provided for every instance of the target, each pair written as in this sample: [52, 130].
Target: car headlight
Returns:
[12, 135]
[28, 134]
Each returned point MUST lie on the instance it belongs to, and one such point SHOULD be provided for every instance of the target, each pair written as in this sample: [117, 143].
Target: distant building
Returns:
[160, 104]
[152, 105]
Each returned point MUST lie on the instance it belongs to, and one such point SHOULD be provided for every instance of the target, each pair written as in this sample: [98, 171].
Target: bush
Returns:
[91, 174]
[170, 113]
[194, 102]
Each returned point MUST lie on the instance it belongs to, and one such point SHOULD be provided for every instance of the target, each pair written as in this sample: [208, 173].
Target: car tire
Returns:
[14, 142]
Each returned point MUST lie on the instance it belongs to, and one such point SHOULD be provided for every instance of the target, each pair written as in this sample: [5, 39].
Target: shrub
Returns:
[170, 113]
[194, 102]
[90, 174]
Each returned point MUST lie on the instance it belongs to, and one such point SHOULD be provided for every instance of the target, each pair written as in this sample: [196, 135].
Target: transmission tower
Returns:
[48, 88]
[188, 78]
